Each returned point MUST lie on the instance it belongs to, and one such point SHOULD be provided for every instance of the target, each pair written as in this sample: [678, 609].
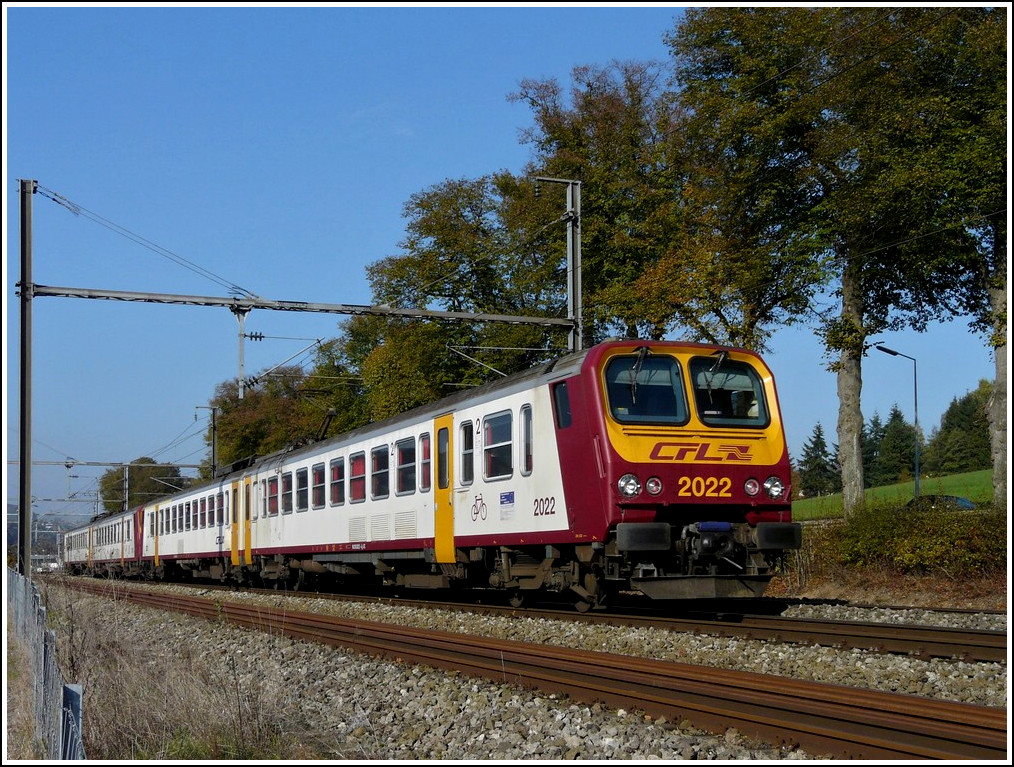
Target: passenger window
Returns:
[424, 462]
[443, 456]
[404, 454]
[357, 478]
[380, 485]
[302, 489]
[467, 453]
[287, 493]
[204, 513]
[337, 481]
[497, 446]
[561, 405]
[273, 496]
[526, 440]
[318, 486]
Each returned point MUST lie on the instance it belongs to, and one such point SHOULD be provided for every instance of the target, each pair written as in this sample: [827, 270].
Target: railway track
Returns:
[820, 718]
[901, 638]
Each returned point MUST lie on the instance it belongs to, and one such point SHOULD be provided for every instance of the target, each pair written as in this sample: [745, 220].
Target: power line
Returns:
[79, 210]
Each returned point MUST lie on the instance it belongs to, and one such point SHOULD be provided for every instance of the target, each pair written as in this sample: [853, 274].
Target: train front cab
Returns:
[698, 467]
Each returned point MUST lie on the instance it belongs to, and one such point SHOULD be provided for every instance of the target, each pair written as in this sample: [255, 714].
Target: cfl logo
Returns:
[699, 451]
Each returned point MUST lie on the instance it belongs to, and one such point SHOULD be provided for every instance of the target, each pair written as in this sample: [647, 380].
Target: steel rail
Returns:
[973, 645]
[926, 641]
[820, 718]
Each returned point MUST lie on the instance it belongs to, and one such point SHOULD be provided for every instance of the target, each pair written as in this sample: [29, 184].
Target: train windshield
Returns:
[646, 389]
[728, 392]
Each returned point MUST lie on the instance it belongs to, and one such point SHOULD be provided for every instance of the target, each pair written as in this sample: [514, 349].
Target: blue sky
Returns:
[275, 148]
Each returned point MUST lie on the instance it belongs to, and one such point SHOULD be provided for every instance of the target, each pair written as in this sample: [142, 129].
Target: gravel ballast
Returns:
[359, 707]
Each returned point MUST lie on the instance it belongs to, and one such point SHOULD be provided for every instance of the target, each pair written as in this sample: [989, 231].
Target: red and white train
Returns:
[633, 466]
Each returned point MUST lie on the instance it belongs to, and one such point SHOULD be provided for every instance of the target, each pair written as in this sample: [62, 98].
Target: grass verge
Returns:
[975, 485]
[22, 743]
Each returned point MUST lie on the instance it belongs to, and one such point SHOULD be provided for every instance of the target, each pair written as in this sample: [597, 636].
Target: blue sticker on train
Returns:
[507, 505]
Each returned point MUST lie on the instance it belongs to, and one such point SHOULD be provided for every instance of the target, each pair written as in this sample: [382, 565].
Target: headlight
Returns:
[774, 487]
[629, 485]
[751, 486]
[653, 485]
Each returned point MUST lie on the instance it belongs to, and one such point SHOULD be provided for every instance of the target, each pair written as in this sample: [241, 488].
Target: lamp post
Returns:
[915, 386]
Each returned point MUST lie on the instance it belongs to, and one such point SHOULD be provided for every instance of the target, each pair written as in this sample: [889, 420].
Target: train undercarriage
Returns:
[704, 560]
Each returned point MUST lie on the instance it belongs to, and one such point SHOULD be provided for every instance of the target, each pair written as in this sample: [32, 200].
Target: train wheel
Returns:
[582, 606]
[516, 599]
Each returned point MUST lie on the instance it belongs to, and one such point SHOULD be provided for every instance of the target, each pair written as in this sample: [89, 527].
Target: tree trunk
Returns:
[850, 387]
[997, 407]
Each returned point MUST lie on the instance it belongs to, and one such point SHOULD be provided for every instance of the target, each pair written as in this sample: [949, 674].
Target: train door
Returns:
[234, 524]
[240, 548]
[158, 532]
[443, 496]
[139, 535]
[247, 516]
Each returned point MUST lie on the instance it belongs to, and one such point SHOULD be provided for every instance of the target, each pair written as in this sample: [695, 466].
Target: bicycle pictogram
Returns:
[478, 508]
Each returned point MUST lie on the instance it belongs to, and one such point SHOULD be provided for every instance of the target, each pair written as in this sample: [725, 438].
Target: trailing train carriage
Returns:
[632, 466]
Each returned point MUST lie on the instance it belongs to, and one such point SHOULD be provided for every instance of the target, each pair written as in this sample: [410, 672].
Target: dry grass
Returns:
[889, 588]
[812, 574]
[142, 702]
[149, 701]
[21, 741]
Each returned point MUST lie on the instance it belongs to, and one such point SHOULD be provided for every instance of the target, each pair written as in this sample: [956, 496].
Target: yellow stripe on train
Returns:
[704, 451]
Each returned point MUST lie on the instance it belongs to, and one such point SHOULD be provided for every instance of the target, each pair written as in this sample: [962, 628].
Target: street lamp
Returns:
[915, 385]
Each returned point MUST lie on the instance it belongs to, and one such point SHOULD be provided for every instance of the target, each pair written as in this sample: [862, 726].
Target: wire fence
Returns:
[57, 705]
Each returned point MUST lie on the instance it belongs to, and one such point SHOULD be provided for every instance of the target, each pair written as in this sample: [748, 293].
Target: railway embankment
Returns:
[224, 692]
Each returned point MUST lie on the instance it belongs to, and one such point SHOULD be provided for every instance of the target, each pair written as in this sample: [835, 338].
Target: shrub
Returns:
[952, 543]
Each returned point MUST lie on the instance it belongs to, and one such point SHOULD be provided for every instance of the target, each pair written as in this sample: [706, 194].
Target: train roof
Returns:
[567, 364]
[560, 367]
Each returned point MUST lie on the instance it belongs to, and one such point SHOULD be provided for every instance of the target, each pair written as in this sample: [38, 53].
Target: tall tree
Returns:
[977, 183]
[961, 443]
[144, 479]
[816, 471]
[895, 460]
[840, 114]
[610, 131]
[488, 245]
[286, 407]
[873, 433]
